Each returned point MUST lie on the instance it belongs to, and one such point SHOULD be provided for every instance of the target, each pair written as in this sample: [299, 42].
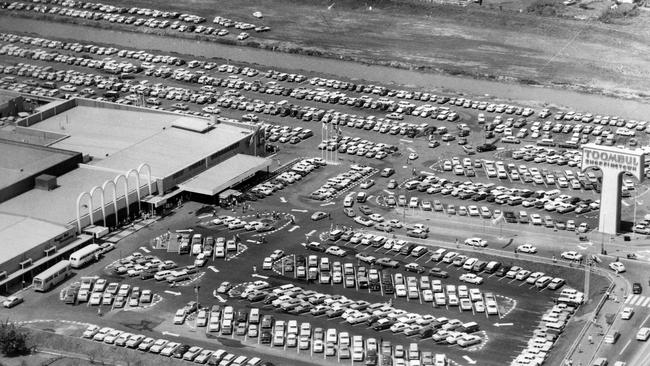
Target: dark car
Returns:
[315, 246]
[437, 272]
[636, 288]
[365, 210]
[503, 270]
[265, 338]
[146, 275]
[180, 351]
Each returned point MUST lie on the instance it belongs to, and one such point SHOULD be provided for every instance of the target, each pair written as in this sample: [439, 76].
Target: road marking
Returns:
[645, 303]
[205, 216]
[293, 229]
[330, 203]
[283, 200]
[625, 204]
[251, 241]
[411, 149]
[221, 299]
[297, 210]
[625, 347]
[170, 334]
[640, 300]
[145, 250]
[371, 196]
[502, 324]
[213, 269]
[405, 140]
[629, 299]
[389, 192]
[469, 360]
[311, 233]
[173, 293]
[260, 276]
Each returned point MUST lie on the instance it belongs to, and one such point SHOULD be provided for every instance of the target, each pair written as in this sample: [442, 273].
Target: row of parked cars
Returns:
[296, 172]
[157, 18]
[169, 348]
[544, 336]
[422, 96]
[450, 257]
[357, 146]
[342, 182]
[98, 291]
[377, 316]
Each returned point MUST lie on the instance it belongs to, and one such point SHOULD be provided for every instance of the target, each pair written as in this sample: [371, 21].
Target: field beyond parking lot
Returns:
[473, 41]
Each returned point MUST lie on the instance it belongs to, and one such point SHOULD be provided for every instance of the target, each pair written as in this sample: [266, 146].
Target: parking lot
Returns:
[459, 168]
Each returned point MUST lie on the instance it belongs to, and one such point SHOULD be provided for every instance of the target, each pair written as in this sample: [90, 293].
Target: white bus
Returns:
[84, 255]
[52, 276]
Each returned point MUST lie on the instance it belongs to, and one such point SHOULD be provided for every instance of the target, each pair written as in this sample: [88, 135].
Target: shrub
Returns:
[545, 7]
[619, 12]
[14, 340]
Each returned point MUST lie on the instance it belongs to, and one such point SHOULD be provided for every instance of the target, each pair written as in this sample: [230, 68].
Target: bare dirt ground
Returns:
[481, 42]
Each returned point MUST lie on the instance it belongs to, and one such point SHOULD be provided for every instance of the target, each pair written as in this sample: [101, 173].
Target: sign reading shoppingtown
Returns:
[613, 162]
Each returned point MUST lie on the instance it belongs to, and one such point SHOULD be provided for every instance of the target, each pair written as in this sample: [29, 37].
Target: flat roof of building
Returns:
[121, 140]
[59, 205]
[19, 160]
[19, 234]
[101, 132]
[225, 174]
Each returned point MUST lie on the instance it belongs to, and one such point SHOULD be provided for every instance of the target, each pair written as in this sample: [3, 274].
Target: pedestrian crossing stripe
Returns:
[647, 300]
[638, 300]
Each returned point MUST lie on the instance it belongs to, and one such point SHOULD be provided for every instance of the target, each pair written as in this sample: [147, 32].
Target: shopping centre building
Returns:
[79, 162]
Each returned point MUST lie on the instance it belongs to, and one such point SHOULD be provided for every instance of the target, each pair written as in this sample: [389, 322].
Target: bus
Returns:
[85, 255]
[51, 277]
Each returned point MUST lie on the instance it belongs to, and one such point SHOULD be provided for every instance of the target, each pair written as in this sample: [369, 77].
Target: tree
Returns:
[14, 340]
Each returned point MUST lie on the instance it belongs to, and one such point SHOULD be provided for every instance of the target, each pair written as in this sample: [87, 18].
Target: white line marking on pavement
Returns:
[293, 229]
[469, 360]
[311, 233]
[625, 347]
[170, 334]
[283, 200]
[645, 303]
[221, 299]
[214, 269]
[331, 203]
[405, 140]
[297, 210]
[625, 204]
[389, 192]
[250, 241]
[640, 300]
[145, 250]
[260, 276]
[173, 293]
[629, 299]
[205, 216]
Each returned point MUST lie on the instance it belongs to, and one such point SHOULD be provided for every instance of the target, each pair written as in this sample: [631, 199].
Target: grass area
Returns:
[480, 42]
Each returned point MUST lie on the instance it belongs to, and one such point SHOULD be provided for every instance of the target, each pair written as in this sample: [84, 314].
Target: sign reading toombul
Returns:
[613, 162]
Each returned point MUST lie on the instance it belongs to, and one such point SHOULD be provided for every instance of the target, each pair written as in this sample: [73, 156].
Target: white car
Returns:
[268, 263]
[336, 251]
[536, 219]
[471, 278]
[627, 313]
[277, 254]
[527, 248]
[476, 242]
[376, 217]
[571, 255]
[617, 267]
[413, 156]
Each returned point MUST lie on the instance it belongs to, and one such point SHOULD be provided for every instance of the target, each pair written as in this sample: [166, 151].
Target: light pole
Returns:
[196, 291]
